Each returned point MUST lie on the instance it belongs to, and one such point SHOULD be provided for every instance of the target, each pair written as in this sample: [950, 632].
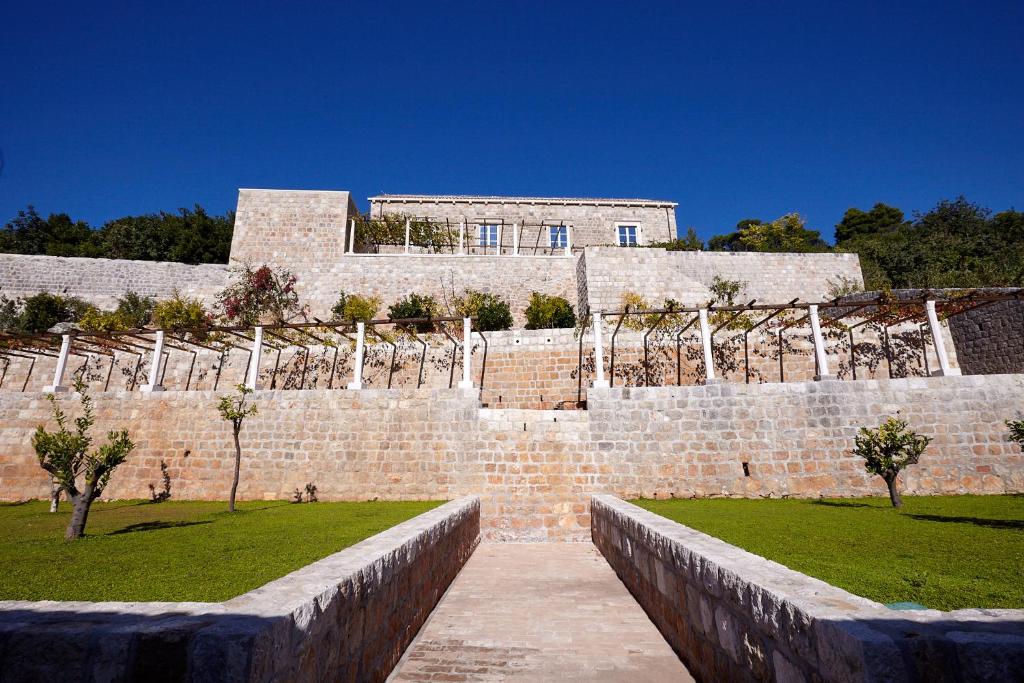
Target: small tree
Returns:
[547, 312]
[68, 457]
[889, 449]
[1016, 432]
[234, 410]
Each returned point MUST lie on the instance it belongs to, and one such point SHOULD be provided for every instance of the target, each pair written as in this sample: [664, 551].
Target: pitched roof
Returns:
[495, 199]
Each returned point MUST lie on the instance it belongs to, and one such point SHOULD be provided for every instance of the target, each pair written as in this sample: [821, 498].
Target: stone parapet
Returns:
[346, 617]
[732, 615]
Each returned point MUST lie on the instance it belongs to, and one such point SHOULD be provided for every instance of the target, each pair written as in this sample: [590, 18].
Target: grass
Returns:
[177, 551]
[945, 552]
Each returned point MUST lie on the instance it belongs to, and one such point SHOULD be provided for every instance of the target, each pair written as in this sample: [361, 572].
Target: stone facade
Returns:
[732, 615]
[346, 617]
[593, 221]
[535, 470]
[991, 339]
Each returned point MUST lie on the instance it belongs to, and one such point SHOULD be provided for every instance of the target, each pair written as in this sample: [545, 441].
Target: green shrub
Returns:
[492, 313]
[415, 306]
[352, 307]
[182, 313]
[1016, 432]
[42, 311]
[549, 312]
[135, 311]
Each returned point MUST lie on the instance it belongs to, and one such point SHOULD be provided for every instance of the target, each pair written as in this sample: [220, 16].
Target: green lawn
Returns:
[177, 550]
[945, 552]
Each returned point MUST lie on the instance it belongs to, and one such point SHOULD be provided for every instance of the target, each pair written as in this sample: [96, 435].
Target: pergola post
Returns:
[154, 367]
[705, 339]
[467, 354]
[940, 344]
[599, 381]
[408, 231]
[62, 365]
[357, 379]
[515, 239]
[462, 237]
[819, 344]
[568, 240]
[253, 376]
[352, 236]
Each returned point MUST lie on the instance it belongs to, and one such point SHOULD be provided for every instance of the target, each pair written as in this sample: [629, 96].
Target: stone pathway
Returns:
[539, 612]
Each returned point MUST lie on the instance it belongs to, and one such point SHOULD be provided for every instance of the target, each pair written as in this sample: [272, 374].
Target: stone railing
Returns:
[346, 617]
[732, 615]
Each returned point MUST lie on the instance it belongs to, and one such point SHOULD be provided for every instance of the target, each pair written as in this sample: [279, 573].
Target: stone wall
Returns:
[593, 222]
[990, 339]
[346, 617]
[732, 615]
[536, 469]
[103, 281]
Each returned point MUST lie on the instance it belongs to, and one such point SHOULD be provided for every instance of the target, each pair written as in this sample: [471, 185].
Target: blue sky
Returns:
[733, 110]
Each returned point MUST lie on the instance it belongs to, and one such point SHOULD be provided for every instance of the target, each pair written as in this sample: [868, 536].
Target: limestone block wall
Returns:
[732, 615]
[593, 221]
[990, 339]
[103, 281]
[296, 229]
[346, 617]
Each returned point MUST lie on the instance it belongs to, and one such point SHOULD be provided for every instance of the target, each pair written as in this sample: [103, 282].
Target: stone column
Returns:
[705, 338]
[62, 365]
[408, 229]
[819, 344]
[352, 236]
[154, 367]
[940, 343]
[568, 240]
[515, 239]
[467, 354]
[253, 376]
[357, 379]
[599, 381]
[462, 237]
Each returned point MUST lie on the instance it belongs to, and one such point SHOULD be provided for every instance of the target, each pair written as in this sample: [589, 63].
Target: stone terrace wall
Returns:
[732, 615]
[103, 281]
[347, 617]
[990, 340]
[536, 469]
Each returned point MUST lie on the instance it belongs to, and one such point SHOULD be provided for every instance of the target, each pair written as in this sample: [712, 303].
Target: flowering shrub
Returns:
[259, 295]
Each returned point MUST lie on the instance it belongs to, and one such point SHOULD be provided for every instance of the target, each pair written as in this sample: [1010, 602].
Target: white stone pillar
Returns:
[515, 239]
[352, 236]
[462, 237]
[501, 231]
[467, 354]
[568, 240]
[357, 379]
[408, 230]
[705, 338]
[819, 343]
[940, 343]
[62, 365]
[154, 366]
[599, 381]
[253, 376]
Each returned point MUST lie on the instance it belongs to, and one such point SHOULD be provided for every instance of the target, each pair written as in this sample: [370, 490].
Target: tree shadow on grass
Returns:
[15, 504]
[977, 521]
[154, 526]
[841, 504]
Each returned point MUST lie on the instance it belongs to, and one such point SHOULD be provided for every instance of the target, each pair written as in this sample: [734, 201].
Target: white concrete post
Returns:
[501, 231]
[462, 237]
[154, 366]
[408, 229]
[357, 379]
[568, 240]
[62, 365]
[599, 382]
[352, 236]
[940, 343]
[705, 338]
[819, 343]
[253, 376]
[515, 239]
[467, 353]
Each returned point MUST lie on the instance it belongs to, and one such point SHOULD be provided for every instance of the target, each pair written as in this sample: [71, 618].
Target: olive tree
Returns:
[234, 409]
[888, 450]
[79, 470]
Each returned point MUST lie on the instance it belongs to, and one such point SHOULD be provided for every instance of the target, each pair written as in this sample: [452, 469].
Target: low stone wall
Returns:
[990, 340]
[347, 617]
[732, 615]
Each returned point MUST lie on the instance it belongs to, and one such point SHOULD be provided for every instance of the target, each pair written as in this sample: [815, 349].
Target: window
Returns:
[558, 236]
[627, 235]
[488, 235]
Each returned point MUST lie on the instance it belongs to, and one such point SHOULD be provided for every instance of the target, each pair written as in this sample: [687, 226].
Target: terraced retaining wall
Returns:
[347, 617]
[732, 615]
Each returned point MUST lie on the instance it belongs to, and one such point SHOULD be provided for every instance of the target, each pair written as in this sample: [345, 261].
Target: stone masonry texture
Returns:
[535, 470]
[732, 615]
[347, 617]
[990, 339]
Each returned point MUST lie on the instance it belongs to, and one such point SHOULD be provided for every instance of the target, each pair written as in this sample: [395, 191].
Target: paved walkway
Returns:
[539, 612]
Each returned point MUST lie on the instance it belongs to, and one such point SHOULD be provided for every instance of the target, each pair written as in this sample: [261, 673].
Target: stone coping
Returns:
[826, 630]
